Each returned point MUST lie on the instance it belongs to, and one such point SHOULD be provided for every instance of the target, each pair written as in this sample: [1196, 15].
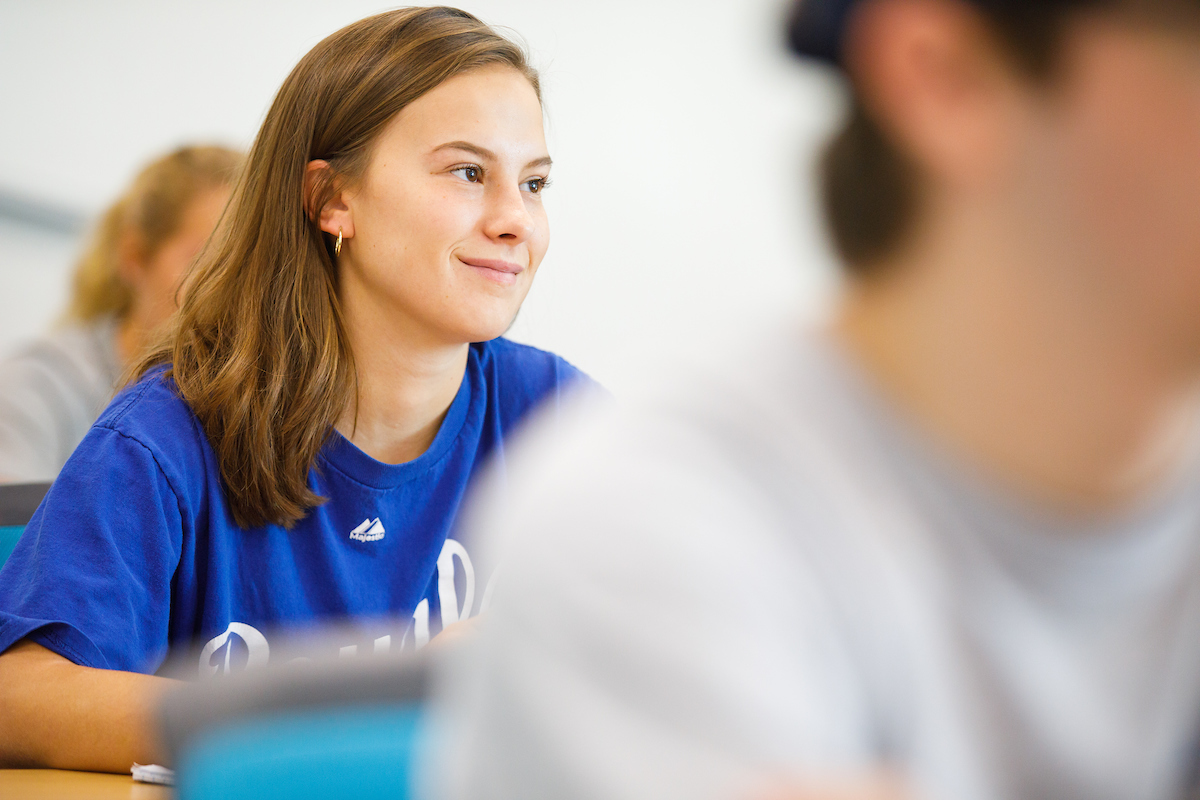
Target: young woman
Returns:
[124, 289]
[297, 448]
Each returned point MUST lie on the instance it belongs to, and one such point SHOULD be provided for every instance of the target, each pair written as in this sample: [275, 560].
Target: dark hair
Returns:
[258, 349]
[870, 190]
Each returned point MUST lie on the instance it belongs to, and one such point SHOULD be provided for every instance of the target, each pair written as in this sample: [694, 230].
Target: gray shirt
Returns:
[767, 572]
[50, 394]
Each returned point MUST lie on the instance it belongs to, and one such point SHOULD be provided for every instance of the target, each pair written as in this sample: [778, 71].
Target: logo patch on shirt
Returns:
[371, 530]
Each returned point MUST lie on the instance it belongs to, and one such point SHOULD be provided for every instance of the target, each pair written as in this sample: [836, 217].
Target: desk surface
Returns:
[60, 784]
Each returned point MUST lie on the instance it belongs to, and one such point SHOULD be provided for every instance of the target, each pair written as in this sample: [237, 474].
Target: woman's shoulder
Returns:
[151, 411]
[521, 363]
[148, 429]
[520, 378]
[79, 359]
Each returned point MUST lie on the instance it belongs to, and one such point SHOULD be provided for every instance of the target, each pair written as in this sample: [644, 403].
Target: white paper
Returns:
[153, 773]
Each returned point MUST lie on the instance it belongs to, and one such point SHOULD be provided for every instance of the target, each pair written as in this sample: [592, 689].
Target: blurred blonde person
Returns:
[125, 286]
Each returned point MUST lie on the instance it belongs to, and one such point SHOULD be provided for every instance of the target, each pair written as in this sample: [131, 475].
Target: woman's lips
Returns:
[502, 272]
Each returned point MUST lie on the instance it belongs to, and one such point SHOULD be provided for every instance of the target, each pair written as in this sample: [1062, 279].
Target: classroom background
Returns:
[683, 136]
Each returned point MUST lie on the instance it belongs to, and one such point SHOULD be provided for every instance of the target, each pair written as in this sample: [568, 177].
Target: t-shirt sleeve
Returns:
[39, 419]
[91, 577]
[652, 636]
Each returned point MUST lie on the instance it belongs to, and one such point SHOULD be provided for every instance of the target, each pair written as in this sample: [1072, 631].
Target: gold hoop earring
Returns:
[337, 247]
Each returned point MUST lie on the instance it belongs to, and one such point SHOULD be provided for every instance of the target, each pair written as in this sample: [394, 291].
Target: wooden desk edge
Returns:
[61, 784]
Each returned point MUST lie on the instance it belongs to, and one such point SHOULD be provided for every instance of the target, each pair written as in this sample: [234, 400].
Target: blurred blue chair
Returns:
[18, 501]
[351, 728]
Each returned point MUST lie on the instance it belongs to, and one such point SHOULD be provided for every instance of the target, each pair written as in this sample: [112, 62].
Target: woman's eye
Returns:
[535, 185]
[472, 174]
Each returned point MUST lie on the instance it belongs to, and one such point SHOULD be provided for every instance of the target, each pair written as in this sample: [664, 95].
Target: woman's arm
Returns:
[54, 713]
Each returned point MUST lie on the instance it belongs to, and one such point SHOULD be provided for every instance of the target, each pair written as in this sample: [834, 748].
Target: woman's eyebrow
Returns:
[486, 154]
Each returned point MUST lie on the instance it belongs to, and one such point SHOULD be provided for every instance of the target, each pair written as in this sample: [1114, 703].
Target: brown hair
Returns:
[152, 208]
[258, 348]
[871, 192]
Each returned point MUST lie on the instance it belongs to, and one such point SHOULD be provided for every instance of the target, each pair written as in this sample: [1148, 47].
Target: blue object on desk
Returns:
[350, 727]
[364, 753]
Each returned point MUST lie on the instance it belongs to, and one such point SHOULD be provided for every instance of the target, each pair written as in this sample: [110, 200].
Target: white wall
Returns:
[682, 138]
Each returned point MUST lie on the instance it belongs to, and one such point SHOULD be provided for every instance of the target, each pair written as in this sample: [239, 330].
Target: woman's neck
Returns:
[131, 338]
[405, 387]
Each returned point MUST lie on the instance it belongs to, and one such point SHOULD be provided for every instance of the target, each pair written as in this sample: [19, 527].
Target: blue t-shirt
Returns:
[134, 553]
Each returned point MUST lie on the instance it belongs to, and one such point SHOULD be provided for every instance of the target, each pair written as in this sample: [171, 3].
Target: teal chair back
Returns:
[18, 501]
[9, 534]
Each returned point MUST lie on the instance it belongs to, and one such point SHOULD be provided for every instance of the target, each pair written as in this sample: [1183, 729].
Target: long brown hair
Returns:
[258, 348]
[152, 209]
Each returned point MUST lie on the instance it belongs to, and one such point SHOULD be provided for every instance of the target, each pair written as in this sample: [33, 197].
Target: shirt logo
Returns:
[371, 530]
[258, 652]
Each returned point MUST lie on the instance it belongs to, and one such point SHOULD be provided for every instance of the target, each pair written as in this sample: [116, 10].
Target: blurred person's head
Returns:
[1061, 136]
[393, 188]
[134, 264]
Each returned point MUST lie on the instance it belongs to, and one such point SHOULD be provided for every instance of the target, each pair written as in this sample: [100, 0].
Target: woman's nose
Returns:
[508, 218]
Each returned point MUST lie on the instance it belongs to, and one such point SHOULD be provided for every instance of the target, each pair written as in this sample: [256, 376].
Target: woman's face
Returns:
[156, 278]
[446, 229]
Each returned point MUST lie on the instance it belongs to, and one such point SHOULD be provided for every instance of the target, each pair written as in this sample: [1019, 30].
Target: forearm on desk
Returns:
[54, 713]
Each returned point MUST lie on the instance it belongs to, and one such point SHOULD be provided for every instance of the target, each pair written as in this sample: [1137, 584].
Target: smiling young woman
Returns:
[297, 447]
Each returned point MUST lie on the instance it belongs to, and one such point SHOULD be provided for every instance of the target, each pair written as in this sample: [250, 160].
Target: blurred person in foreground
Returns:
[124, 288]
[955, 536]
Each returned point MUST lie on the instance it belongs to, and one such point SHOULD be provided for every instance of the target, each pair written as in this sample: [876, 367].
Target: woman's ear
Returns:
[334, 215]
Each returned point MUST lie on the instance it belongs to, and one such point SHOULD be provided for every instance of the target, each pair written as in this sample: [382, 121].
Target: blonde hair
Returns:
[152, 208]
